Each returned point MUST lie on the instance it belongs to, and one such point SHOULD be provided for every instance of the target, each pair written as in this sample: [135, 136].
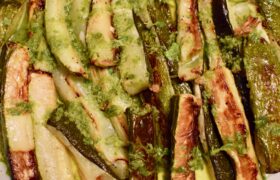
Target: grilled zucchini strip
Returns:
[108, 142]
[17, 116]
[231, 122]
[4, 150]
[263, 72]
[221, 164]
[63, 43]
[79, 17]
[118, 100]
[211, 44]
[271, 12]
[88, 170]
[244, 18]
[53, 159]
[190, 41]
[135, 79]
[40, 54]
[161, 90]
[100, 34]
[184, 133]
[142, 135]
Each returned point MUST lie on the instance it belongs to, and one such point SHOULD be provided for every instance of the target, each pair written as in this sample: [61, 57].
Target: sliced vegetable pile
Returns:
[140, 89]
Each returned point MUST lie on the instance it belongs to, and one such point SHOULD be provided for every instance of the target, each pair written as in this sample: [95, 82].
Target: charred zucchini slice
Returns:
[263, 69]
[231, 122]
[17, 114]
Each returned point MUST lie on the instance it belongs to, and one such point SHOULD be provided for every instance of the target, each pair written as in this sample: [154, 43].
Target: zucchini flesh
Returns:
[100, 36]
[231, 122]
[262, 69]
[88, 170]
[142, 134]
[63, 43]
[51, 164]
[79, 18]
[134, 80]
[190, 41]
[17, 116]
[185, 134]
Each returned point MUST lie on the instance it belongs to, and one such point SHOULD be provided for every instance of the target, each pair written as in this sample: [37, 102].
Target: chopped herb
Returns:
[197, 159]
[137, 163]
[160, 24]
[20, 108]
[173, 52]
[179, 170]
[156, 152]
[112, 111]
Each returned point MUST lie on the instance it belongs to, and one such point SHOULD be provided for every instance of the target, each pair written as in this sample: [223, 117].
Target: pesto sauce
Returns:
[39, 52]
[20, 108]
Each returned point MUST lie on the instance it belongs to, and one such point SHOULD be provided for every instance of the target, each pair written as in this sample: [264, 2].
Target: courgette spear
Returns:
[227, 108]
[163, 16]
[87, 169]
[244, 18]
[221, 164]
[40, 55]
[100, 34]
[161, 90]
[54, 161]
[142, 135]
[64, 44]
[105, 139]
[271, 12]
[79, 18]
[185, 136]
[263, 72]
[17, 115]
[117, 100]
[190, 40]
[4, 150]
[136, 79]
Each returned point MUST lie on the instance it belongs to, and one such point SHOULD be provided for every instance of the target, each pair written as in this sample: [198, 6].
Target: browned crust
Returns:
[195, 29]
[24, 165]
[247, 27]
[231, 121]
[186, 136]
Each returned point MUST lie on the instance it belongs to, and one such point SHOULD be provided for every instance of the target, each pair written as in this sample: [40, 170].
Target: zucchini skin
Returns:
[262, 70]
[161, 91]
[75, 137]
[20, 136]
[142, 133]
[222, 166]
[185, 113]
[231, 121]
[162, 12]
